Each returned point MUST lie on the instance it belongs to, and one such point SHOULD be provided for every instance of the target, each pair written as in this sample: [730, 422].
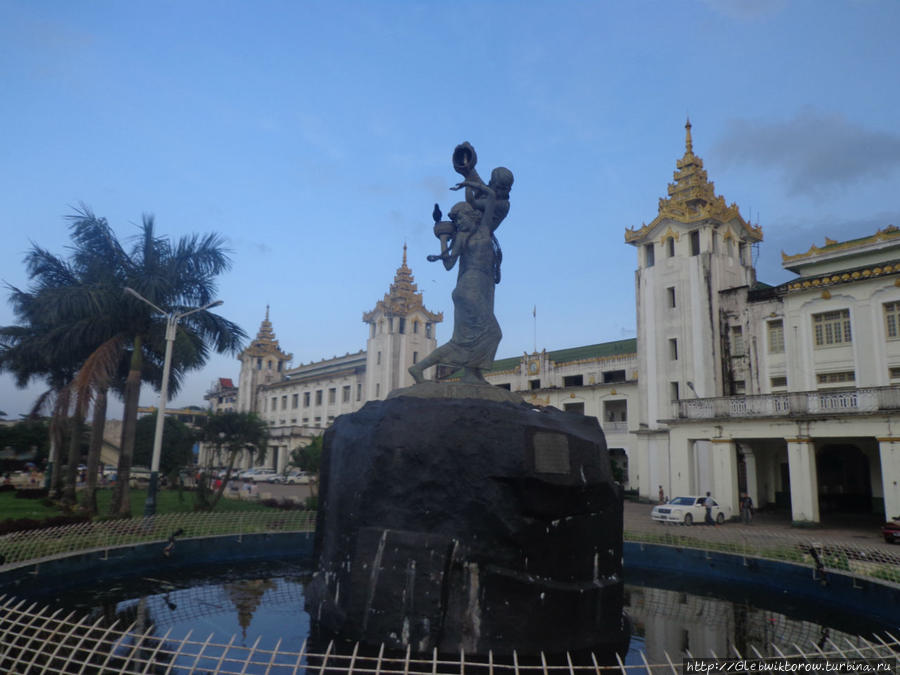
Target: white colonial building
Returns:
[788, 393]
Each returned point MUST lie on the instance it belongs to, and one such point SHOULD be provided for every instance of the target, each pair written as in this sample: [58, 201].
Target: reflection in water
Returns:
[247, 595]
[264, 603]
[674, 622]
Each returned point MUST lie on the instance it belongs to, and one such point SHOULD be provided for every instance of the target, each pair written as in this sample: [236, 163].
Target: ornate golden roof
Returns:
[833, 278]
[888, 233]
[692, 198]
[402, 298]
[265, 343]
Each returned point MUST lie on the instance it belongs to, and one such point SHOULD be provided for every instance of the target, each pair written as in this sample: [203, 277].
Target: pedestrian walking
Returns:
[662, 495]
[708, 503]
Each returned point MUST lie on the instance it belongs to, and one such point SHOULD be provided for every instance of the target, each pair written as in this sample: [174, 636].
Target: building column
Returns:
[681, 457]
[889, 451]
[750, 468]
[725, 479]
[804, 481]
[642, 467]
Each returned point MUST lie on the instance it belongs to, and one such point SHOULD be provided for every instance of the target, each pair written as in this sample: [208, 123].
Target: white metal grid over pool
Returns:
[37, 639]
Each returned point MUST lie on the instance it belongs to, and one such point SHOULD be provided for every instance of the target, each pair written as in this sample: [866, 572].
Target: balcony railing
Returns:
[838, 402]
[614, 427]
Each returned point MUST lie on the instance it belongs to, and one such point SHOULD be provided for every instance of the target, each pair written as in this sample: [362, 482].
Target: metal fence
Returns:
[817, 550]
[37, 639]
[32, 545]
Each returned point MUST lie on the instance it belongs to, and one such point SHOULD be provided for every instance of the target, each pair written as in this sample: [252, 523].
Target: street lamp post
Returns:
[172, 320]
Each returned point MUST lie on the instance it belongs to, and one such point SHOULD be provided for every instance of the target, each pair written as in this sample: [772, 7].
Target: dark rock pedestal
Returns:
[468, 524]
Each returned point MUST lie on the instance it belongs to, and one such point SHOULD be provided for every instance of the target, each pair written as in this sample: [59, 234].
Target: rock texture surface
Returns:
[468, 524]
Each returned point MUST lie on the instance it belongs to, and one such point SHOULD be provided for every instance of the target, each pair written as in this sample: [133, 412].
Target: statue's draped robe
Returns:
[476, 332]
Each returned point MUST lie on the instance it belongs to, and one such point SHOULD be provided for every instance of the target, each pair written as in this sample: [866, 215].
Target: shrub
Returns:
[283, 504]
[887, 573]
[837, 561]
[31, 493]
[20, 524]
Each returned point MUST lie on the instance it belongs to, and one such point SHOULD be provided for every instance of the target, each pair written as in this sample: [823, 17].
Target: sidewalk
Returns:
[769, 528]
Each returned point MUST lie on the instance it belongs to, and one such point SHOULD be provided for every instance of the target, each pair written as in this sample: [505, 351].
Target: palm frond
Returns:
[98, 369]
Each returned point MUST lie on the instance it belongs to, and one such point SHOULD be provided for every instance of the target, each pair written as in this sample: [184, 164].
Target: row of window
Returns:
[307, 397]
[398, 324]
[830, 329]
[694, 244]
[317, 421]
[259, 364]
[609, 376]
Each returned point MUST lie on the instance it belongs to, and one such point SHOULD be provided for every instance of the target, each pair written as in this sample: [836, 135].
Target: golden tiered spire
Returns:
[402, 297]
[692, 198]
[265, 343]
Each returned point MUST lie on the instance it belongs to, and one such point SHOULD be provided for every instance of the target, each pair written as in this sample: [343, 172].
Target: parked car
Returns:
[262, 475]
[138, 475]
[297, 477]
[891, 531]
[246, 474]
[689, 510]
[291, 477]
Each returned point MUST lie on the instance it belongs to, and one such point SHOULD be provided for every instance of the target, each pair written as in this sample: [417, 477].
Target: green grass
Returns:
[10, 507]
[167, 501]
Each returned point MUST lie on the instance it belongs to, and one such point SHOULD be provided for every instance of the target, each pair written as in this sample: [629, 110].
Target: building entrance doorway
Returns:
[845, 484]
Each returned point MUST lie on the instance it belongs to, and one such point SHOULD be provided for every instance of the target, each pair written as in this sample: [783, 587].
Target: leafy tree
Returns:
[25, 436]
[177, 447]
[227, 435]
[309, 459]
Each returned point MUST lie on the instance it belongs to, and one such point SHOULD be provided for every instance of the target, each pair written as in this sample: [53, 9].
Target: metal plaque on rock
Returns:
[551, 453]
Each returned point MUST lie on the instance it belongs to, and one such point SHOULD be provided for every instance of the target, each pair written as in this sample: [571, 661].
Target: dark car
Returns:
[891, 531]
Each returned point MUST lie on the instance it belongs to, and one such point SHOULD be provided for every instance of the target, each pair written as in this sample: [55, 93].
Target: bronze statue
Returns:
[469, 238]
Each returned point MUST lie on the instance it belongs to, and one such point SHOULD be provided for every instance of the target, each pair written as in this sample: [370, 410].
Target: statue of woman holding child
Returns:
[468, 237]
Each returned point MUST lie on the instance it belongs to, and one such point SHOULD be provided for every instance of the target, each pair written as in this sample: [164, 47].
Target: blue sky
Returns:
[316, 137]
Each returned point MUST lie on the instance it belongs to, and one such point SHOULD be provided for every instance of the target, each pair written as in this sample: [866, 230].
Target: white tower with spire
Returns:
[262, 363]
[696, 247]
[401, 331]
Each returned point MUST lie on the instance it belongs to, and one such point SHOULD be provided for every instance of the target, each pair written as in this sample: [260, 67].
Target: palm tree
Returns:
[79, 327]
[178, 278]
[229, 434]
[44, 347]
